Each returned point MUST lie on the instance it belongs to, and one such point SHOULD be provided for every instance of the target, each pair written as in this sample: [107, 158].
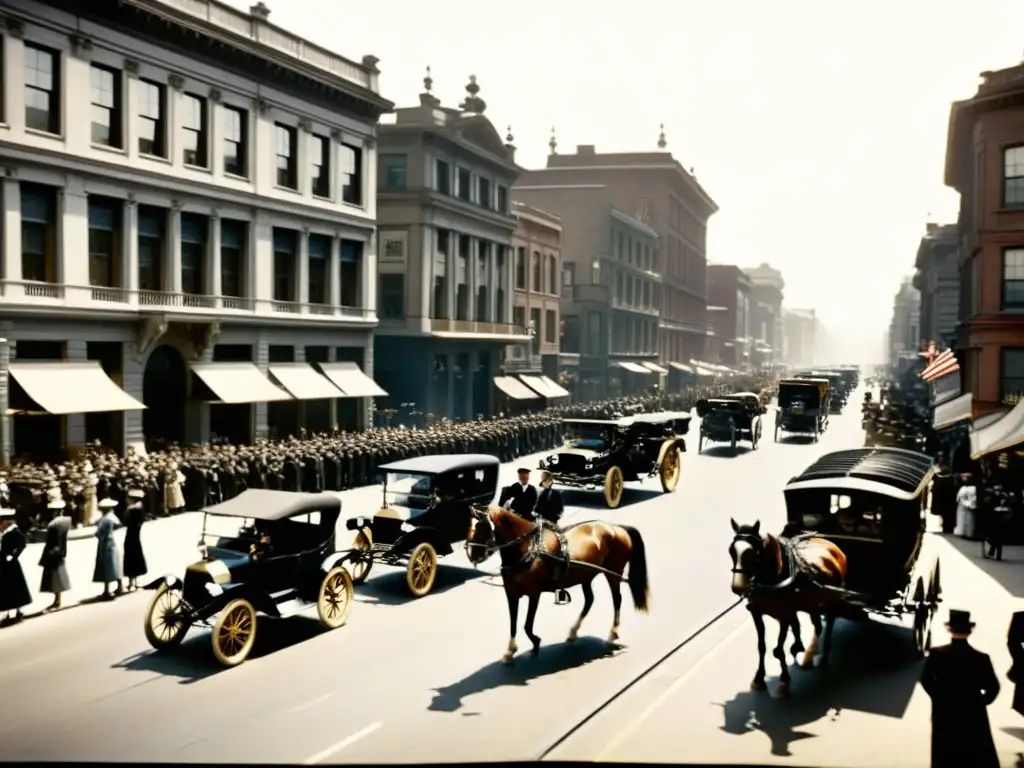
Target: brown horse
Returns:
[532, 563]
[767, 572]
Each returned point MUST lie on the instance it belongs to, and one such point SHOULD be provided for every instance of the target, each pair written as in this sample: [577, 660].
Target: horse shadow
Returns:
[552, 659]
[392, 589]
[872, 670]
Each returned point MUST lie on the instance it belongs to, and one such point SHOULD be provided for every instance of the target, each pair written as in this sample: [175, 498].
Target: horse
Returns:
[761, 562]
[532, 562]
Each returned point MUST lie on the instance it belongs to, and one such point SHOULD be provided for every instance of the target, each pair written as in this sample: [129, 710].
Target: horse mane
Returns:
[507, 519]
[773, 545]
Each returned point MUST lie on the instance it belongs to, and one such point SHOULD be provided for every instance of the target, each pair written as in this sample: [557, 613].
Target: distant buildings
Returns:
[800, 330]
[729, 316]
[905, 325]
[937, 279]
[768, 326]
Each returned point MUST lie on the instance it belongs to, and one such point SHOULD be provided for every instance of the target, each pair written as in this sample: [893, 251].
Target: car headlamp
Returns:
[553, 459]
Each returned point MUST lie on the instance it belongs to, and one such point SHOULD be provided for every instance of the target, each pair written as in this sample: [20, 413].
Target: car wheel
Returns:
[360, 569]
[613, 485]
[163, 626]
[335, 599]
[234, 633]
[421, 570]
[670, 469]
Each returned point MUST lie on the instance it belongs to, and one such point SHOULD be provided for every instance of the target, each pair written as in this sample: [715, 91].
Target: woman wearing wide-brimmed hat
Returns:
[55, 580]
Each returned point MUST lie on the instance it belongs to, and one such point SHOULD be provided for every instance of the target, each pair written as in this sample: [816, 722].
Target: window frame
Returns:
[1007, 180]
[320, 172]
[387, 167]
[159, 123]
[114, 256]
[201, 133]
[1005, 396]
[291, 159]
[1005, 282]
[240, 145]
[241, 251]
[352, 169]
[114, 111]
[54, 94]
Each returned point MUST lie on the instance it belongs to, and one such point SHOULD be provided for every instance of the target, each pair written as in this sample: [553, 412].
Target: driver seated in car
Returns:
[264, 546]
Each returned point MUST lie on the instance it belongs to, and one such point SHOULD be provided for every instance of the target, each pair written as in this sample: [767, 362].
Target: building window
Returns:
[535, 327]
[38, 233]
[519, 317]
[193, 253]
[233, 243]
[502, 290]
[483, 293]
[392, 172]
[553, 275]
[321, 151]
[550, 326]
[152, 226]
[236, 130]
[194, 131]
[1013, 177]
[568, 275]
[106, 106]
[443, 177]
[287, 166]
[152, 123]
[462, 266]
[538, 274]
[319, 249]
[441, 275]
[1011, 379]
[1013, 278]
[351, 174]
[284, 264]
[351, 261]
[464, 183]
[104, 221]
[391, 296]
[521, 268]
[42, 89]
[503, 199]
[484, 192]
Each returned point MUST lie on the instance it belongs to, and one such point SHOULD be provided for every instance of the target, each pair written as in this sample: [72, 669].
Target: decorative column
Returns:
[365, 413]
[12, 230]
[451, 273]
[492, 282]
[302, 270]
[6, 426]
[74, 433]
[471, 278]
[132, 379]
[130, 249]
[172, 274]
[425, 276]
[332, 356]
[213, 263]
[334, 277]
[176, 84]
[368, 276]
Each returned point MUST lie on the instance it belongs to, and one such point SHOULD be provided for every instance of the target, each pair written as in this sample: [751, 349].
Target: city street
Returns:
[405, 680]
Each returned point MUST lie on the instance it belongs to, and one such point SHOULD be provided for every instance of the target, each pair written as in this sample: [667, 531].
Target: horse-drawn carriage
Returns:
[803, 407]
[729, 418]
[838, 393]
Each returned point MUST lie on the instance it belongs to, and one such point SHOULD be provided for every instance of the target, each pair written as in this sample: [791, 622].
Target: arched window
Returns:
[538, 274]
[553, 275]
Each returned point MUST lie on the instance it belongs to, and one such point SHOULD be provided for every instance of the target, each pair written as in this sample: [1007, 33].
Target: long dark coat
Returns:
[961, 683]
[1015, 643]
[55, 551]
[134, 558]
[108, 560]
[14, 593]
[549, 504]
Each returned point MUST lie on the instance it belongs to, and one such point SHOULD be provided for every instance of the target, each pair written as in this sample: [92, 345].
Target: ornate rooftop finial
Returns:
[509, 138]
[473, 103]
[260, 11]
[428, 81]
[553, 143]
[661, 137]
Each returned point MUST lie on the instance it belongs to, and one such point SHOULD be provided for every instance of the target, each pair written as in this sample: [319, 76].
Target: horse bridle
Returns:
[492, 545]
[756, 543]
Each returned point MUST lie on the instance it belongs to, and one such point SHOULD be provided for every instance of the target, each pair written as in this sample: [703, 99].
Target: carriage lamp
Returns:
[203, 551]
[553, 459]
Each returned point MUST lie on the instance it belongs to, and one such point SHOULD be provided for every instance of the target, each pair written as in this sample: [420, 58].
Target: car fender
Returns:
[335, 559]
[259, 598]
[417, 536]
[172, 582]
[668, 445]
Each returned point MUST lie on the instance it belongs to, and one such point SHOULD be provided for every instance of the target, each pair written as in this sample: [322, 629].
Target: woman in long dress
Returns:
[174, 499]
[14, 594]
[966, 505]
[55, 580]
[108, 559]
[134, 557]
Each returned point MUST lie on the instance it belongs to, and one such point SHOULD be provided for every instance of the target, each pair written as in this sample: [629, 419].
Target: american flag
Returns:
[944, 363]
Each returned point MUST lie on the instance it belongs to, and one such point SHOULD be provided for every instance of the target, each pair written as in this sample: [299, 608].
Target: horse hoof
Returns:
[612, 638]
[571, 638]
[782, 691]
[758, 685]
[507, 658]
[536, 648]
[806, 663]
[821, 662]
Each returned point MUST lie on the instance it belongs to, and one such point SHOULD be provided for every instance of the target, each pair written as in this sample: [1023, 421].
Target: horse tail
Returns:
[639, 585]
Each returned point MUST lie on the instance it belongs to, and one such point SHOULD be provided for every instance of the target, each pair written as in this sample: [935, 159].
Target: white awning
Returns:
[654, 367]
[514, 388]
[543, 386]
[304, 382]
[953, 412]
[633, 367]
[238, 383]
[61, 387]
[350, 379]
[1002, 435]
[681, 367]
[557, 390]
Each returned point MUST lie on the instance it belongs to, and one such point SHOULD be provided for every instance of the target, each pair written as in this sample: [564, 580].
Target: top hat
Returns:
[959, 621]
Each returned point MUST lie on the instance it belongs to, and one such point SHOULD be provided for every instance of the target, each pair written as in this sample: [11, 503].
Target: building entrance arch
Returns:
[164, 393]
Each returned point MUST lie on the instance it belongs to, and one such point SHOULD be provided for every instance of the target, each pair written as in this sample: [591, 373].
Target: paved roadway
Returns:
[405, 680]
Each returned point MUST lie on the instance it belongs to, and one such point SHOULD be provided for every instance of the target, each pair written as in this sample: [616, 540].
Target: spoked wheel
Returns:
[670, 469]
[164, 626]
[754, 435]
[732, 440]
[922, 630]
[613, 484]
[335, 599]
[234, 634]
[360, 569]
[421, 570]
[776, 433]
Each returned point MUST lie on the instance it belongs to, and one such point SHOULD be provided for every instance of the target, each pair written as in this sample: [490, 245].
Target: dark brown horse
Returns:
[779, 580]
[531, 563]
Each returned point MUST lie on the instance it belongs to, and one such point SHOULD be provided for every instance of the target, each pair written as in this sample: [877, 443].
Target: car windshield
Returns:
[806, 396]
[588, 436]
[409, 490]
[235, 532]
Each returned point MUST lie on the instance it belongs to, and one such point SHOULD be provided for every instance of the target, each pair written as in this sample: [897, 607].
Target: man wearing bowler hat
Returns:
[520, 497]
[961, 683]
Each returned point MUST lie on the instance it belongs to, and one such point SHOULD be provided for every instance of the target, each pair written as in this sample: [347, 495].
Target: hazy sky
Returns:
[818, 127]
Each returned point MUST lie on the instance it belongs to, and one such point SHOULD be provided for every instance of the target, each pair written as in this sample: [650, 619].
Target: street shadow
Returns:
[1007, 572]
[390, 588]
[719, 451]
[552, 659]
[788, 439]
[1016, 732]
[577, 497]
[873, 670]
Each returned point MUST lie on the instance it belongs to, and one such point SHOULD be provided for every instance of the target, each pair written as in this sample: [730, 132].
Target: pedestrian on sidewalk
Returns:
[966, 504]
[108, 559]
[14, 594]
[961, 683]
[55, 580]
[134, 557]
[174, 499]
[1015, 643]
[943, 495]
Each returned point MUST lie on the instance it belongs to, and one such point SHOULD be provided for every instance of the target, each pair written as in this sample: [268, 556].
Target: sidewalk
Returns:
[867, 710]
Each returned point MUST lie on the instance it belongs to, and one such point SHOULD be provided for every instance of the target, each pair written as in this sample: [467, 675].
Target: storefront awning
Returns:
[557, 390]
[514, 388]
[633, 367]
[60, 387]
[304, 382]
[350, 379]
[543, 386]
[655, 367]
[1002, 435]
[237, 383]
[703, 369]
[953, 412]
[683, 367]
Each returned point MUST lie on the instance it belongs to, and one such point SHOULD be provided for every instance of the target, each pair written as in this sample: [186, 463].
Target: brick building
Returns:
[937, 279]
[767, 326]
[729, 315]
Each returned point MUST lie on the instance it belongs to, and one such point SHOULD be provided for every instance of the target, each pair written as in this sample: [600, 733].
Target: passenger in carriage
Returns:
[549, 502]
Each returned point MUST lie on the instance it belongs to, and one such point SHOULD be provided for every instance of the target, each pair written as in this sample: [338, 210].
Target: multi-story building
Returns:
[729, 315]
[800, 327]
[654, 189]
[536, 287]
[767, 323]
[937, 279]
[446, 270]
[985, 164]
[186, 186]
[905, 326]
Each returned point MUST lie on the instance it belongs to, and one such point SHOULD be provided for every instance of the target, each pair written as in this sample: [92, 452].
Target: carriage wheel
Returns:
[234, 634]
[421, 570]
[935, 586]
[732, 439]
[335, 599]
[361, 568]
[753, 438]
[670, 469]
[776, 433]
[922, 630]
[163, 625]
[613, 484]
[700, 443]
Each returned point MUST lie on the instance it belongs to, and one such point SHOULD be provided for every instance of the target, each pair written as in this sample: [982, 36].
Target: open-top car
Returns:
[426, 509]
[730, 418]
[612, 452]
[273, 555]
[803, 407]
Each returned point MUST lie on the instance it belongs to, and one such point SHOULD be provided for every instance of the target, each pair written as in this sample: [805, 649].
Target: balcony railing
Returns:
[473, 326]
[85, 298]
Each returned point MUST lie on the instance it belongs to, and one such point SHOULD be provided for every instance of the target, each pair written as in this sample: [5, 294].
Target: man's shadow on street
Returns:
[873, 669]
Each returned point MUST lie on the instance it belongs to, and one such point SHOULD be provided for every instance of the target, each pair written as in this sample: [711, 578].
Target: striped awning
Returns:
[944, 364]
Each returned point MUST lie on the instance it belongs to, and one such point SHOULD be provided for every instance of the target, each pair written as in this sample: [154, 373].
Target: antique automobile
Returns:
[871, 502]
[612, 452]
[426, 509]
[730, 418]
[802, 407]
[263, 552]
[837, 391]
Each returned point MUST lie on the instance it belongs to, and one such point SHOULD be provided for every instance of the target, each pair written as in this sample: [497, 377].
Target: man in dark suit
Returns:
[520, 497]
[961, 683]
[1015, 643]
[549, 501]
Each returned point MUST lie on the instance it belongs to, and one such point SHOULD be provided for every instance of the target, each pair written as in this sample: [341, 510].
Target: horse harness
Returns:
[799, 573]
